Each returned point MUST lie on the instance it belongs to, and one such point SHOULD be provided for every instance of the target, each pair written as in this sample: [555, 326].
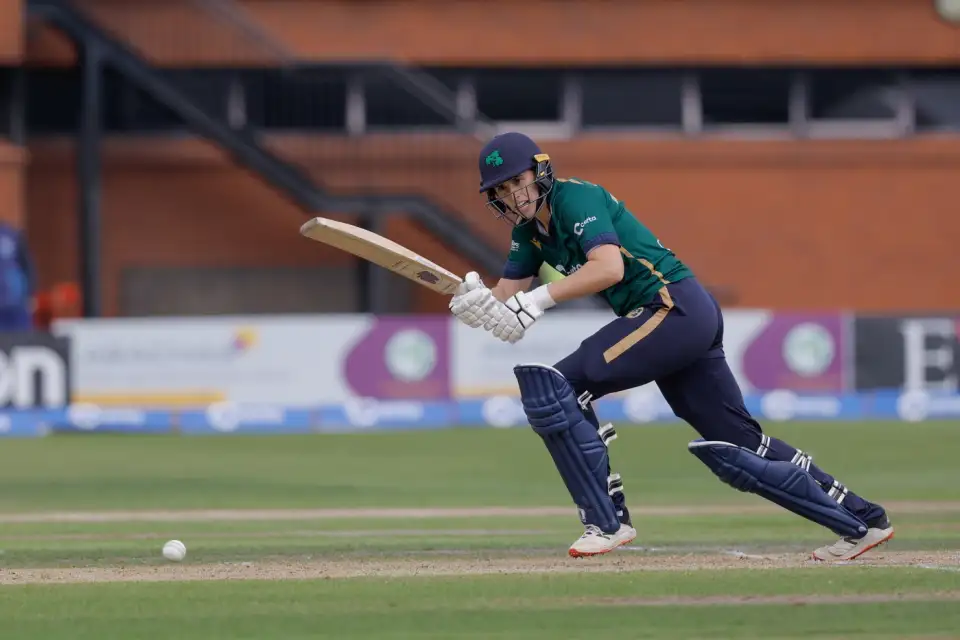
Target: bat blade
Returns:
[381, 251]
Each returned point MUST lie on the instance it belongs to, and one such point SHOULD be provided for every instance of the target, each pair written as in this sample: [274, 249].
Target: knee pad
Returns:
[579, 453]
[787, 484]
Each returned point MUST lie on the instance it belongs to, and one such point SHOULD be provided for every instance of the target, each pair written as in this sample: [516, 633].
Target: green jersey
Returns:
[584, 216]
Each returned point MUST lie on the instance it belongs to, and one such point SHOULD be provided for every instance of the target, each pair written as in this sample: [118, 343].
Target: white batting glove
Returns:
[493, 311]
[463, 307]
[477, 308]
[508, 328]
[522, 310]
[470, 282]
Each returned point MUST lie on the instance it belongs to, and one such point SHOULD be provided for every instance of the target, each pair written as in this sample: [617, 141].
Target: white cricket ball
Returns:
[174, 550]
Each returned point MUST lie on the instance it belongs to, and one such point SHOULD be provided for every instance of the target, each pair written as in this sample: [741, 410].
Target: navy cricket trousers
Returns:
[675, 341]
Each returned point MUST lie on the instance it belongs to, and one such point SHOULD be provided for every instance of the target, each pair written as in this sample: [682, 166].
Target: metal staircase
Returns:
[244, 144]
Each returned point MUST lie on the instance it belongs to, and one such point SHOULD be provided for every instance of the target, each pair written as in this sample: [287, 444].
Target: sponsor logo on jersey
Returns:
[563, 269]
[578, 227]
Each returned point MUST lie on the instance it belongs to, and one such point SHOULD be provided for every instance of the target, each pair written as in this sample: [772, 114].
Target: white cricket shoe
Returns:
[595, 542]
[850, 548]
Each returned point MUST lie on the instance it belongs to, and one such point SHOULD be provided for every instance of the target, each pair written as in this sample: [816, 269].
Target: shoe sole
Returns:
[587, 554]
[859, 553]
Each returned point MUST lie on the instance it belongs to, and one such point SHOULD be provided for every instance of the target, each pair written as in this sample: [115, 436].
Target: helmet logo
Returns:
[494, 159]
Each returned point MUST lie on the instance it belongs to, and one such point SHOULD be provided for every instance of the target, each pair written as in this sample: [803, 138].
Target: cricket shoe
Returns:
[878, 532]
[595, 542]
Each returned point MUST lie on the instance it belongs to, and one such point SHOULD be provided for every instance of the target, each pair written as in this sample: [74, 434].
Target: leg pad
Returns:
[784, 483]
[579, 453]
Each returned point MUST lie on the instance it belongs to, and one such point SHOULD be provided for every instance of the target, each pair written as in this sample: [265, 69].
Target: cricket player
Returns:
[669, 331]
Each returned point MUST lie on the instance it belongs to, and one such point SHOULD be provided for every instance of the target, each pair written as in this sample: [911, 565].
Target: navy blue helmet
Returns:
[505, 157]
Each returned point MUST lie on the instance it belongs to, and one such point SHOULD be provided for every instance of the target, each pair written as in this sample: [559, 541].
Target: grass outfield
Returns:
[459, 533]
[552, 606]
[456, 467]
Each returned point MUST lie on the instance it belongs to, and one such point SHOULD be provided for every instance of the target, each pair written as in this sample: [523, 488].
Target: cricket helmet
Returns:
[505, 157]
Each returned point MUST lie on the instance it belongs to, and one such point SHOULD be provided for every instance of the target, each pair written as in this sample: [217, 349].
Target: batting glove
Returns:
[470, 282]
[522, 310]
[477, 308]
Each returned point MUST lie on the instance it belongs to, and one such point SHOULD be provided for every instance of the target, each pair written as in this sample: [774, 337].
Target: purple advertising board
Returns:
[799, 352]
[401, 357]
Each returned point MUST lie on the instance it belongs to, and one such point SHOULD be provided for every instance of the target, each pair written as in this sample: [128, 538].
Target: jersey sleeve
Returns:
[591, 223]
[524, 259]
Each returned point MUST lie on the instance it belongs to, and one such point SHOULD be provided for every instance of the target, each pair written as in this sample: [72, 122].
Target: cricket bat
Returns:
[381, 251]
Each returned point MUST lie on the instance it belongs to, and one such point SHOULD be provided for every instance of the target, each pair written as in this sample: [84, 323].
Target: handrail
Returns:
[243, 145]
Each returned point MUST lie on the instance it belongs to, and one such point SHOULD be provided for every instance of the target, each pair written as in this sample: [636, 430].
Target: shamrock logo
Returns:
[494, 159]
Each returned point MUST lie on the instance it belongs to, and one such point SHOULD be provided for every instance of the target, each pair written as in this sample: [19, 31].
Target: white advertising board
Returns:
[311, 360]
[293, 360]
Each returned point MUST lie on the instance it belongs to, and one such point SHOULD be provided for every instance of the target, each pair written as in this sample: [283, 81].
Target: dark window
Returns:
[210, 89]
[521, 95]
[853, 94]
[745, 96]
[936, 97]
[10, 102]
[447, 76]
[53, 100]
[296, 98]
[615, 97]
[408, 99]
[127, 108]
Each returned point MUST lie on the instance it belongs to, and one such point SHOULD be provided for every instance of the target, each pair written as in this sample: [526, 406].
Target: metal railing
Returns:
[294, 169]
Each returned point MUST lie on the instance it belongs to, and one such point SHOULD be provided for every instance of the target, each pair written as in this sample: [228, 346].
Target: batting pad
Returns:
[783, 483]
[577, 450]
